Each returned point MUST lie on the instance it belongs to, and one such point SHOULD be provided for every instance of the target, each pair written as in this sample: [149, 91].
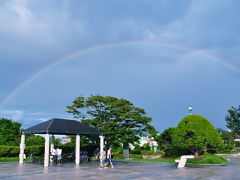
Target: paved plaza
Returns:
[122, 170]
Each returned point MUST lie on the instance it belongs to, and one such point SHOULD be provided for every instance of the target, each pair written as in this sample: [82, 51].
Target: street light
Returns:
[190, 110]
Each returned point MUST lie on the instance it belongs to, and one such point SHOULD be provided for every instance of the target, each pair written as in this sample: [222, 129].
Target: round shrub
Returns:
[196, 134]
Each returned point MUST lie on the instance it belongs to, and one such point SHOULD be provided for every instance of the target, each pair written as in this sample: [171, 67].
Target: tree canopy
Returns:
[118, 119]
[228, 137]
[32, 140]
[9, 132]
[233, 119]
[165, 138]
[196, 134]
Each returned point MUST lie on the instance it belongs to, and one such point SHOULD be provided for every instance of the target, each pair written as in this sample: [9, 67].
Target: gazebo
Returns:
[57, 126]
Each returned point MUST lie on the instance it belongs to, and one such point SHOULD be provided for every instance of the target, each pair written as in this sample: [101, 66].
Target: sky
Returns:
[162, 55]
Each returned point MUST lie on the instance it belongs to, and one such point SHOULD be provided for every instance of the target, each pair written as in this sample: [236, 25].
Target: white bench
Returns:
[182, 161]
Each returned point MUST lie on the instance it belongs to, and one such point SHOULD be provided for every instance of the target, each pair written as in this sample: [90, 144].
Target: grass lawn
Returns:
[208, 159]
[9, 159]
[147, 160]
[204, 159]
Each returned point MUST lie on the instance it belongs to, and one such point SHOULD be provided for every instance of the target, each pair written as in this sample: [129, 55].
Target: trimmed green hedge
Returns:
[208, 159]
[13, 151]
[9, 159]
[136, 156]
[9, 151]
[151, 152]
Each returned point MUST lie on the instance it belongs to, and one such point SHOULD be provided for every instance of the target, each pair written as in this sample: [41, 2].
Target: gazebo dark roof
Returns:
[62, 126]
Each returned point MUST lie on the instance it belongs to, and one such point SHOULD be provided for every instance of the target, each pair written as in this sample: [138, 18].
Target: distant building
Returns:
[237, 139]
[146, 140]
[65, 140]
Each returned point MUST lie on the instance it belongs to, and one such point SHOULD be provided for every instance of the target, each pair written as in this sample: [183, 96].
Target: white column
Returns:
[77, 149]
[22, 147]
[52, 146]
[46, 153]
[101, 144]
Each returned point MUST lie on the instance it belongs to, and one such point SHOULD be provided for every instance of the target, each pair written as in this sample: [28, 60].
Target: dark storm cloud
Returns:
[161, 79]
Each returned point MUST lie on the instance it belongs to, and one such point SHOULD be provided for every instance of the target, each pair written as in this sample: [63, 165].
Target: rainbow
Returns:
[106, 46]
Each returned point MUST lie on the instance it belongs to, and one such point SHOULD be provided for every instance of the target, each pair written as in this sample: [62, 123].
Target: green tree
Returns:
[32, 140]
[228, 137]
[196, 134]
[164, 140]
[233, 119]
[118, 119]
[9, 132]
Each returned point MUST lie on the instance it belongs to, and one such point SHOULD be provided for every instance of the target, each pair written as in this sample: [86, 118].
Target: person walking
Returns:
[59, 155]
[102, 158]
[109, 157]
[53, 154]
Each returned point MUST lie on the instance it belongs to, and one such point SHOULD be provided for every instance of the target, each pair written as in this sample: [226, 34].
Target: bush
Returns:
[146, 147]
[225, 148]
[176, 152]
[9, 151]
[237, 143]
[13, 151]
[117, 151]
[136, 156]
[67, 149]
[159, 152]
[70, 148]
[135, 151]
[37, 150]
[147, 152]
[151, 152]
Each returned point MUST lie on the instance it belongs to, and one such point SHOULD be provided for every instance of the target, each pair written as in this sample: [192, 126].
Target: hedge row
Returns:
[37, 150]
[13, 151]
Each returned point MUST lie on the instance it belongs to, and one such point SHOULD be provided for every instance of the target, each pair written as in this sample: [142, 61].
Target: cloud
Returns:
[22, 24]
[30, 118]
[35, 33]
[15, 115]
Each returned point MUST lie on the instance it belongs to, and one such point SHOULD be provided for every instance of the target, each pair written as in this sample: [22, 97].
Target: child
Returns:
[59, 155]
[102, 158]
[109, 157]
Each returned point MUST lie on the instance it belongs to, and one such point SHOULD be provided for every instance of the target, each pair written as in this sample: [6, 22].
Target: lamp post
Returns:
[190, 110]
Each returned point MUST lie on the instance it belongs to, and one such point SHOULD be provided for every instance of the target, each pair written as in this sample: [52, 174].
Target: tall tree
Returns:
[9, 132]
[233, 119]
[118, 119]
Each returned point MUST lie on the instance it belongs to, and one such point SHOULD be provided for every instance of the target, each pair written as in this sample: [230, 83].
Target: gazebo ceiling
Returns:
[63, 127]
